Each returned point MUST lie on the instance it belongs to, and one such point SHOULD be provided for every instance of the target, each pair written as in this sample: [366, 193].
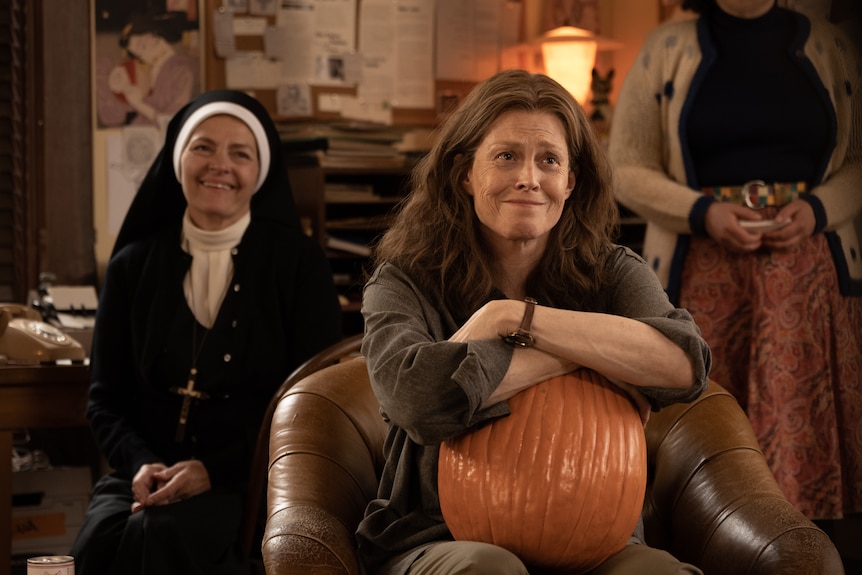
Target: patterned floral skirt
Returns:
[789, 347]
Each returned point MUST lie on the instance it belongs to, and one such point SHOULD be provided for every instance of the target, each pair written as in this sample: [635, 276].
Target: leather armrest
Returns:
[307, 539]
[326, 452]
[713, 501]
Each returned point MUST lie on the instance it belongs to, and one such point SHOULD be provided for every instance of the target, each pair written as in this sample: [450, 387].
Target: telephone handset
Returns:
[25, 338]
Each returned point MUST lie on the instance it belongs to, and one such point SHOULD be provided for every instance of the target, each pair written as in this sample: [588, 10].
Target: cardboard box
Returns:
[48, 509]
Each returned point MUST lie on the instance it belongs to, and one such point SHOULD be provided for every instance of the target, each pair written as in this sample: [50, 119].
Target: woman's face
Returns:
[218, 171]
[746, 8]
[520, 179]
[146, 47]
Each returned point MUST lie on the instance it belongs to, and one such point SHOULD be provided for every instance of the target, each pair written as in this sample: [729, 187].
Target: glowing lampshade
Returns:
[569, 55]
[566, 54]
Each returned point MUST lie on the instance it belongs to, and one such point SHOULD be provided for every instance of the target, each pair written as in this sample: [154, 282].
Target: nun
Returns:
[211, 297]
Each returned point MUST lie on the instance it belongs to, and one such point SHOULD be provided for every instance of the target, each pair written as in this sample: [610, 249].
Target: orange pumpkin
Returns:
[559, 482]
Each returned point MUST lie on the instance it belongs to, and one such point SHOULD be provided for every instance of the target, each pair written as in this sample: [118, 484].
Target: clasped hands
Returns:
[157, 484]
[722, 223]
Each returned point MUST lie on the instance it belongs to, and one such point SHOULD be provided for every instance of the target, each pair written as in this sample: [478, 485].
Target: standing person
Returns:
[738, 137]
[514, 201]
[212, 296]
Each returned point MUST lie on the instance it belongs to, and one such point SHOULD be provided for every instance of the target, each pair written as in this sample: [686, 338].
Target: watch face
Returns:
[46, 332]
[520, 338]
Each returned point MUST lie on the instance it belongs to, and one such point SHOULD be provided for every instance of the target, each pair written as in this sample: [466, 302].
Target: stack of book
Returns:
[349, 145]
[355, 232]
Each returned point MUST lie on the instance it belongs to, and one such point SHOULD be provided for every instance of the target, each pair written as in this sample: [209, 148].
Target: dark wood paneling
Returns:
[46, 197]
[64, 147]
[13, 199]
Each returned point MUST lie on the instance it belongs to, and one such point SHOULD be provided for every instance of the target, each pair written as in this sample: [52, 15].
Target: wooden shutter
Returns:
[46, 197]
[14, 227]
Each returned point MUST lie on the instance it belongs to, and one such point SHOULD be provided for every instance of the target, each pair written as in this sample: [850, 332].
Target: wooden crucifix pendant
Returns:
[188, 392]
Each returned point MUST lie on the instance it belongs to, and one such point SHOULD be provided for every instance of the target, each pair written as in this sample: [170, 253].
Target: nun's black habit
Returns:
[280, 308]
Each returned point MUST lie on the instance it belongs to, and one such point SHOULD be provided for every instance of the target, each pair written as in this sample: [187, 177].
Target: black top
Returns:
[757, 114]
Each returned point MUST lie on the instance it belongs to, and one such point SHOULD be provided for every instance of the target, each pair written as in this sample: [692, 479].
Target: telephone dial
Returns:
[25, 338]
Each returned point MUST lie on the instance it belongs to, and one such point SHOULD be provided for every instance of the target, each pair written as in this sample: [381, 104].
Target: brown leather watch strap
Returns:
[522, 336]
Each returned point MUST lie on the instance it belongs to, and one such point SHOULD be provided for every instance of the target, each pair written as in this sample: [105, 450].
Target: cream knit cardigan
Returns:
[650, 167]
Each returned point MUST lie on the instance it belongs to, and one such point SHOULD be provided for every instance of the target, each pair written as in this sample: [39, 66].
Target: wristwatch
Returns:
[522, 336]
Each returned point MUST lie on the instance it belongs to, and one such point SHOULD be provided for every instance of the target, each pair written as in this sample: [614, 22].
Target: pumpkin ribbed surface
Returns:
[559, 482]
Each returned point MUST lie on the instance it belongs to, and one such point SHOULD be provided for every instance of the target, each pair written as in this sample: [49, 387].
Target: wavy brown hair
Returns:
[436, 237]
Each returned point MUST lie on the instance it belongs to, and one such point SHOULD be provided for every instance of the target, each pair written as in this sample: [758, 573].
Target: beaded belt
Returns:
[757, 193]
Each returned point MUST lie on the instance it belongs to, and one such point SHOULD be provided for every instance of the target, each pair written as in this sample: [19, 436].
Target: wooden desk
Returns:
[34, 397]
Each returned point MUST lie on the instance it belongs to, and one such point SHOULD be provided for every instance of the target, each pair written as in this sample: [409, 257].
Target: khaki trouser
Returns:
[472, 558]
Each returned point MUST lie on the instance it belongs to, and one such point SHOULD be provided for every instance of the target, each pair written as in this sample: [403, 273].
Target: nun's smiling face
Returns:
[219, 168]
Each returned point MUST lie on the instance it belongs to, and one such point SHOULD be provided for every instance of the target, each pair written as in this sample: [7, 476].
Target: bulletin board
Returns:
[447, 93]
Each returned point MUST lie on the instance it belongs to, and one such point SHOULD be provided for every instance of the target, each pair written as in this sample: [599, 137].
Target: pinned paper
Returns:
[275, 42]
[141, 144]
[263, 7]
[235, 5]
[252, 70]
[377, 111]
[249, 26]
[223, 35]
[293, 100]
[329, 102]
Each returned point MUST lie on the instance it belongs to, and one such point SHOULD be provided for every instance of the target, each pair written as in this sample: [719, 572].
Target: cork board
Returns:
[447, 93]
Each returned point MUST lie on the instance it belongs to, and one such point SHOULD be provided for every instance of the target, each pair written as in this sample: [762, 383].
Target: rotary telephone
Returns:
[25, 338]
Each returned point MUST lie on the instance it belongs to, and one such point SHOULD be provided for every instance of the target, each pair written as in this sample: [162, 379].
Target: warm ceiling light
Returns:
[569, 55]
[566, 54]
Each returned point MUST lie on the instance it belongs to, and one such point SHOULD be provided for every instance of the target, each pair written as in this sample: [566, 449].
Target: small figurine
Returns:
[600, 103]
[600, 110]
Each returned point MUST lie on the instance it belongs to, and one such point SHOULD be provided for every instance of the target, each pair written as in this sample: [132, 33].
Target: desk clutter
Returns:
[26, 339]
[53, 455]
[54, 326]
[357, 144]
[48, 504]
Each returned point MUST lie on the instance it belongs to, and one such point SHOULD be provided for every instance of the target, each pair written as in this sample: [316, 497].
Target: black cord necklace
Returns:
[189, 392]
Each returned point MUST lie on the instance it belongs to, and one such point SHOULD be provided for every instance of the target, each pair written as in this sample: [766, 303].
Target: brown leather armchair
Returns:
[711, 499]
